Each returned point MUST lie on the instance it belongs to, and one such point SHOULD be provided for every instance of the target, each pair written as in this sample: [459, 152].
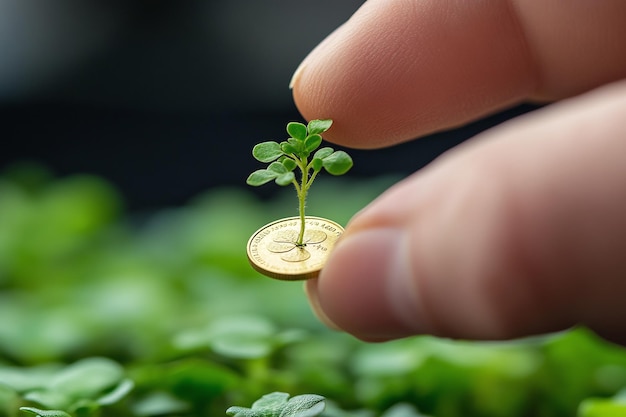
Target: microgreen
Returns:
[278, 404]
[297, 152]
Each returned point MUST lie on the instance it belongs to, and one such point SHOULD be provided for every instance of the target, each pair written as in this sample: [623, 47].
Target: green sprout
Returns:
[294, 153]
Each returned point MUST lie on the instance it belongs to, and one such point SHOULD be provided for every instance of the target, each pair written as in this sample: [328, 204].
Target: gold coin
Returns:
[272, 250]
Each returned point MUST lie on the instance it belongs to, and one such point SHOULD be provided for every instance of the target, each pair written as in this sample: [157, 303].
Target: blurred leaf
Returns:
[49, 398]
[115, 395]
[23, 379]
[244, 337]
[88, 378]
[160, 403]
[84, 384]
[394, 358]
[403, 410]
[602, 407]
[84, 408]
[333, 410]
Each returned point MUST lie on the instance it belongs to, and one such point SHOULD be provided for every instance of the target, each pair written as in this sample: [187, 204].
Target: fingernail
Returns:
[296, 74]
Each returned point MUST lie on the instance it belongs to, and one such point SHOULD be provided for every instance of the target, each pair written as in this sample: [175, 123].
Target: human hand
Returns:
[519, 231]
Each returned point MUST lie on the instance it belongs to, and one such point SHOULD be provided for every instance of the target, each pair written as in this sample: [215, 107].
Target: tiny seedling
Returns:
[295, 152]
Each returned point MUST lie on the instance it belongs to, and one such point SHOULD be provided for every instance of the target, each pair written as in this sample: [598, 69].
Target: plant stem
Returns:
[302, 192]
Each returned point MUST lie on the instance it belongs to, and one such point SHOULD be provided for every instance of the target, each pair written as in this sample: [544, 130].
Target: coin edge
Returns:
[277, 275]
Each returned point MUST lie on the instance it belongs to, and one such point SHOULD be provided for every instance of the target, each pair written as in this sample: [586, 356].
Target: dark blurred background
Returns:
[165, 99]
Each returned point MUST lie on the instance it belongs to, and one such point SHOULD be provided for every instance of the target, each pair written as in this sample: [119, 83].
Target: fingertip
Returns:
[391, 73]
[296, 75]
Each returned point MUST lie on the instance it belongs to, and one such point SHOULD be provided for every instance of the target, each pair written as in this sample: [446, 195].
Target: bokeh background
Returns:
[126, 129]
[165, 99]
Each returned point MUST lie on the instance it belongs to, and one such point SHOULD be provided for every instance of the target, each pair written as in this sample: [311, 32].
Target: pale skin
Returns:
[519, 231]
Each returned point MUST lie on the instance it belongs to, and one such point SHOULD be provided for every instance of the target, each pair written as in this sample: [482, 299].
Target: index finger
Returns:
[403, 68]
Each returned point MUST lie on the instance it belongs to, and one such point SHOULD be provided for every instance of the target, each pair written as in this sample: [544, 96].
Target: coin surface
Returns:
[272, 250]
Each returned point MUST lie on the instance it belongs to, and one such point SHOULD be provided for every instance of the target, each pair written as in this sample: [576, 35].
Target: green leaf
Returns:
[403, 410]
[160, 404]
[278, 404]
[290, 164]
[85, 408]
[312, 142]
[298, 146]
[48, 398]
[260, 177]
[296, 130]
[317, 164]
[319, 126]
[267, 151]
[45, 413]
[242, 337]
[601, 407]
[25, 379]
[338, 163]
[88, 378]
[277, 167]
[272, 401]
[117, 393]
[323, 153]
[285, 179]
[241, 412]
[287, 148]
[307, 405]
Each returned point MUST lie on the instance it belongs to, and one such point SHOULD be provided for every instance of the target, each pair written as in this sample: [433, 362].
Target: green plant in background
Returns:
[278, 404]
[101, 317]
[82, 388]
[294, 153]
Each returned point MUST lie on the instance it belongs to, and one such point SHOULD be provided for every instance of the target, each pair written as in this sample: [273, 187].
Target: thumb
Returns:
[517, 232]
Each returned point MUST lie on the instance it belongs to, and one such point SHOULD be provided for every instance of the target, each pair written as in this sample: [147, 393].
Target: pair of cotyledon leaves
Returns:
[285, 156]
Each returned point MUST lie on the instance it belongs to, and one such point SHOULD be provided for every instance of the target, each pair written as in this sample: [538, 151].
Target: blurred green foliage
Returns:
[104, 313]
